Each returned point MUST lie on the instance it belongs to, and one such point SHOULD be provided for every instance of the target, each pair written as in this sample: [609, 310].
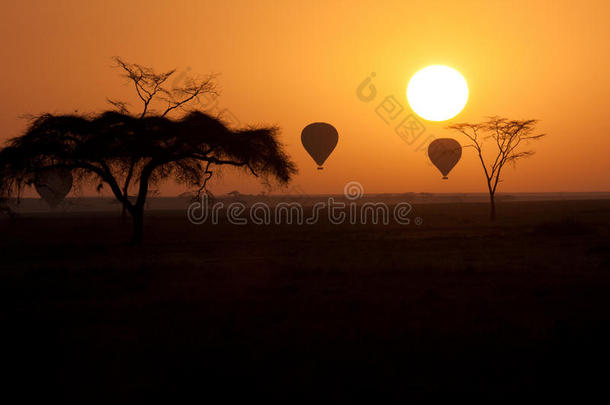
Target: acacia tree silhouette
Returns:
[122, 150]
[152, 89]
[507, 135]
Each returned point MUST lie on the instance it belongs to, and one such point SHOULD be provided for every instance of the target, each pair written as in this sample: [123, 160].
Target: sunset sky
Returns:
[290, 63]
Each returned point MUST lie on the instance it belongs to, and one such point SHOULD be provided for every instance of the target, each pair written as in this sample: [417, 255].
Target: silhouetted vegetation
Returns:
[132, 151]
[508, 136]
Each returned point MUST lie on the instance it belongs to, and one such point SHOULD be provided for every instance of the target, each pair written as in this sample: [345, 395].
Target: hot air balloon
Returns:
[444, 154]
[53, 185]
[319, 140]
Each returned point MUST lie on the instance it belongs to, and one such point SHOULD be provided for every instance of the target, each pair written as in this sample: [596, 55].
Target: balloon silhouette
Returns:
[319, 140]
[445, 153]
[53, 185]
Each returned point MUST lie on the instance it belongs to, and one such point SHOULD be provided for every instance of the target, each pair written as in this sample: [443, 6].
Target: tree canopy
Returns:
[103, 147]
[508, 137]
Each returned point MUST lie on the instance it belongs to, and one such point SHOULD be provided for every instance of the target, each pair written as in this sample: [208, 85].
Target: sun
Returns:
[437, 93]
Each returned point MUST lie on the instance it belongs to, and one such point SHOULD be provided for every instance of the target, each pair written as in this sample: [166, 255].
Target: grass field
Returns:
[455, 305]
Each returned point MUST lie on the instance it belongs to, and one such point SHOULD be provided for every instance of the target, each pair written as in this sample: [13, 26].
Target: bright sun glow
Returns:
[437, 93]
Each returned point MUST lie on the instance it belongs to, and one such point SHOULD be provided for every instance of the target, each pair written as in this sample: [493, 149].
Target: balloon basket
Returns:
[320, 168]
[445, 178]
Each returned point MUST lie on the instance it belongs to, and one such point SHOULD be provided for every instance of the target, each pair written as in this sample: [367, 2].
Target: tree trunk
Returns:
[138, 225]
[137, 210]
[126, 189]
[492, 206]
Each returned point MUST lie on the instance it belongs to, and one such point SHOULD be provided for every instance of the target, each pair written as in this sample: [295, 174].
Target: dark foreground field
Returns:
[323, 312]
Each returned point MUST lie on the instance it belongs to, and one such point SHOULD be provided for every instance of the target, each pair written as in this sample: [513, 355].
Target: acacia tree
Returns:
[509, 136]
[122, 150]
[154, 91]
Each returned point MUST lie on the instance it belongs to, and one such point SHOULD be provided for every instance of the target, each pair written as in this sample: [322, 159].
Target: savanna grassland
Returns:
[456, 305]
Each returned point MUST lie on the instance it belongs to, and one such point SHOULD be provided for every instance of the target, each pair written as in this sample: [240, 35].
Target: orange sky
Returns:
[291, 63]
